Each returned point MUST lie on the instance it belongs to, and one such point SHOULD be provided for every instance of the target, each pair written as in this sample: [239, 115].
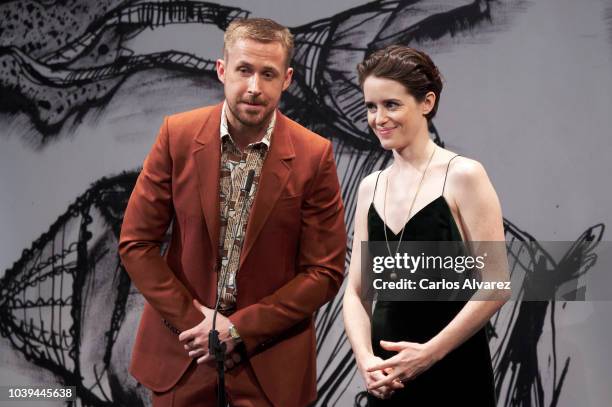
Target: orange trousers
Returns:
[198, 388]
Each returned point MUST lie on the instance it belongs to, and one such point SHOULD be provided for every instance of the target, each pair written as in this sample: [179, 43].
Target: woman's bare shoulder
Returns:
[466, 178]
[460, 168]
[368, 185]
[466, 170]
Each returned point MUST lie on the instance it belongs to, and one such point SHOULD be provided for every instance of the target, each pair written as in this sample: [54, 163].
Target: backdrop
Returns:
[84, 86]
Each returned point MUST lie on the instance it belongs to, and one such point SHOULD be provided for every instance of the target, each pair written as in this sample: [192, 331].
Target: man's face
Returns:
[254, 75]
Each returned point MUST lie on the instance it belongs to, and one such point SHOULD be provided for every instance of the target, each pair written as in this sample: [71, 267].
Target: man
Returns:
[281, 247]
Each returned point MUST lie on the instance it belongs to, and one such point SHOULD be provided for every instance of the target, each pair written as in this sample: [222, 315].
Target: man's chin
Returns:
[253, 120]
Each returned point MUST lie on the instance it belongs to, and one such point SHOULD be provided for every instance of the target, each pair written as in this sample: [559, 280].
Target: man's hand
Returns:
[195, 340]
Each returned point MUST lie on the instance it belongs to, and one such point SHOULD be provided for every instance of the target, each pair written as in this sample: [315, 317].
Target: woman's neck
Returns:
[415, 155]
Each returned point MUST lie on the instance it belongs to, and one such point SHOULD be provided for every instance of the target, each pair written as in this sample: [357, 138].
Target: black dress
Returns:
[465, 376]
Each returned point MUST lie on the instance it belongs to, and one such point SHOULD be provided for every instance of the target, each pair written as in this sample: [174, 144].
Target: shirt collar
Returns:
[267, 138]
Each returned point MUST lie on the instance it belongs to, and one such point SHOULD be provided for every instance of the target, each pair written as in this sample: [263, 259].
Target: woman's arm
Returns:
[481, 216]
[357, 312]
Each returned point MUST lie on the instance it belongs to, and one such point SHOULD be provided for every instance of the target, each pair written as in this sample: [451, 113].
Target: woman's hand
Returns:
[411, 360]
[371, 377]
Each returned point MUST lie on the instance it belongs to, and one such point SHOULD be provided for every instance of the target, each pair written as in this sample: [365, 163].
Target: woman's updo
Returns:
[412, 68]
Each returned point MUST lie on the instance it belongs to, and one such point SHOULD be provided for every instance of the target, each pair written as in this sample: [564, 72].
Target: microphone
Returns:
[216, 347]
[248, 183]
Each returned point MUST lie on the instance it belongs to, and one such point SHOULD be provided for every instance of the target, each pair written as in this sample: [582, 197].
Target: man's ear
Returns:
[288, 77]
[220, 66]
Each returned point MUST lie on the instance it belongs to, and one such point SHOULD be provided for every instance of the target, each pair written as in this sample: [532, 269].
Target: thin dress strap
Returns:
[446, 174]
[376, 185]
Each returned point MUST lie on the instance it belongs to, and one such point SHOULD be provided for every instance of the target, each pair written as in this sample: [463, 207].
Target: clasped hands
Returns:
[195, 340]
[384, 377]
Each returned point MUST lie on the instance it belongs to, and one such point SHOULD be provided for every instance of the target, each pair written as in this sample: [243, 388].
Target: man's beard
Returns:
[244, 118]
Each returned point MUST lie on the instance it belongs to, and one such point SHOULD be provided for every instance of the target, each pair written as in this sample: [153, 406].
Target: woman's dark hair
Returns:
[412, 68]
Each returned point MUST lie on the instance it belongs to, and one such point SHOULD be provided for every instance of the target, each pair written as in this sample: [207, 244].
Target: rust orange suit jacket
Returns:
[292, 261]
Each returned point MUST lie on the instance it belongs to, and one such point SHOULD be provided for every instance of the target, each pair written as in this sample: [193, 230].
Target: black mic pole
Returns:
[216, 347]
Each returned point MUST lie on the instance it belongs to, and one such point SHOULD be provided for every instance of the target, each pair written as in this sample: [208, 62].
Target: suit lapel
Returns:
[274, 175]
[207, 155]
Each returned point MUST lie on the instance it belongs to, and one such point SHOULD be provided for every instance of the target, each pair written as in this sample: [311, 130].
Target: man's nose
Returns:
[254, 88]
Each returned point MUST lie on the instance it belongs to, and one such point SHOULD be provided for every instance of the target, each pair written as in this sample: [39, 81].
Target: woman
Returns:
[419, 353]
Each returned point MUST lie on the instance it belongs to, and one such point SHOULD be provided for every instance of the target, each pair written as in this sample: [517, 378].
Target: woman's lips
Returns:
[384, 131]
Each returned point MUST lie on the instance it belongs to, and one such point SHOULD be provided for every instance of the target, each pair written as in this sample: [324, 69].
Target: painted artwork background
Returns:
[527, 93]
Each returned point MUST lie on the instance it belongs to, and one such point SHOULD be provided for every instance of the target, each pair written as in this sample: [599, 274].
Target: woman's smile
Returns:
[385, 131]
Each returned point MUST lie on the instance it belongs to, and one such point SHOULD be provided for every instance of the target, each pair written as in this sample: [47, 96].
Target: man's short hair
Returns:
[259, 29]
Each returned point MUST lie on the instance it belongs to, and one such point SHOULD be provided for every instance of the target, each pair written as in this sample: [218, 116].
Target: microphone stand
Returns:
[215, 346]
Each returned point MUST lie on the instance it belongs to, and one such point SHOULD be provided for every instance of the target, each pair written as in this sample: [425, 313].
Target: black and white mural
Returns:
[84, 86]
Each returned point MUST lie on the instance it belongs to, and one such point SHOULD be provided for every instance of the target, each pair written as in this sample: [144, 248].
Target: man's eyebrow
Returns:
[243, 63]
[271, 68]
[249, 65]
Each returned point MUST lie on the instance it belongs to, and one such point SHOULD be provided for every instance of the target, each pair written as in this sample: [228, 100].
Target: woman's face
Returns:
[394, 115]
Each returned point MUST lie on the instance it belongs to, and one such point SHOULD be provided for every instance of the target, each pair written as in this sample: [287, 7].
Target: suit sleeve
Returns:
[321, 264]
[147, 217]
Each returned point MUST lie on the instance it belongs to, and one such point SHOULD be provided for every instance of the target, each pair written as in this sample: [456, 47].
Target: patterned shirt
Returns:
[235, 165]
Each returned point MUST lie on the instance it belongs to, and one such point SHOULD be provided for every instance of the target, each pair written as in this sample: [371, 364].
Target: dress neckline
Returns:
[419, 212]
